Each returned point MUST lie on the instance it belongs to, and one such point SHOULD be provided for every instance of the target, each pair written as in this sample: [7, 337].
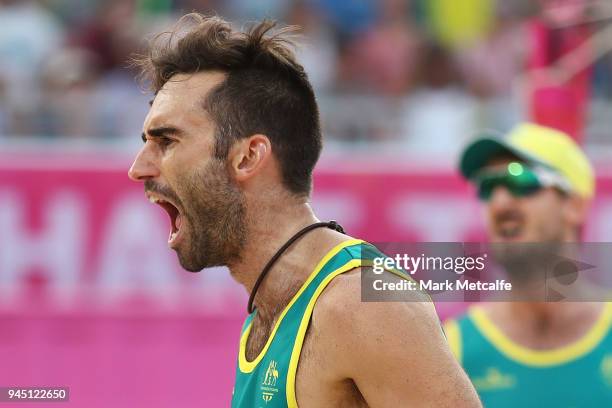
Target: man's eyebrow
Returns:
[162, 131]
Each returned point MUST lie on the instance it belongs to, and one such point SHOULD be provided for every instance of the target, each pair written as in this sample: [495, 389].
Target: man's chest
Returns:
[318, 382]
[305, 368]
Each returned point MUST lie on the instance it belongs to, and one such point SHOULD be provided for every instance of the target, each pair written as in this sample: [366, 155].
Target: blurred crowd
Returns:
[424, 74]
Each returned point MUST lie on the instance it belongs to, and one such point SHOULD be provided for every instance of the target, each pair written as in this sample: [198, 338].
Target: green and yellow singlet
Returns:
[269, 380]
[506, 374]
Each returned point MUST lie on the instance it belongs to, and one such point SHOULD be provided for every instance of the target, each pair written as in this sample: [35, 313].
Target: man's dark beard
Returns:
[527, 263]
[213, 212]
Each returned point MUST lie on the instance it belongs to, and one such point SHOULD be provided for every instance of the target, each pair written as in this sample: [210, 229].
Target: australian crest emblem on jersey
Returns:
[268, 385]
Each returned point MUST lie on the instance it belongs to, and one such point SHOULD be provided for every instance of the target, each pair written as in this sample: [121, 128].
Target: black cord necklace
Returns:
[331, 224]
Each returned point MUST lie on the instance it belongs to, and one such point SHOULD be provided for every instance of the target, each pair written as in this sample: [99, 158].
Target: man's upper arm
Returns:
[395, 352]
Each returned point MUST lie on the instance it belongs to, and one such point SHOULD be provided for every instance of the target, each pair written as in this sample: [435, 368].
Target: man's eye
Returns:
[164, 141]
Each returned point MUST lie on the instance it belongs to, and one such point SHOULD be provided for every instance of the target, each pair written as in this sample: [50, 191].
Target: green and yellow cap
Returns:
[534, 144]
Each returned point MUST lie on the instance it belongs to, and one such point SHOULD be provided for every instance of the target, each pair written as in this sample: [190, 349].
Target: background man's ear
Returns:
[249, 156]
[576, 210]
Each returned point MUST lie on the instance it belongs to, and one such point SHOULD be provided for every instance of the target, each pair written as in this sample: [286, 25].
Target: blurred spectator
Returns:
[440, 115]
[459, 23]
[109, 35]
[349, 17]
[319, 52]
[490, 67]
[68, 80]
[492, 63]
[72, 12]
[83, 87]
[29, 35]
[383, 58]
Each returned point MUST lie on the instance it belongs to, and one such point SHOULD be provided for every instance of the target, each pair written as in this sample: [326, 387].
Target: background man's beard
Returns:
[528, 263]
[214, 209]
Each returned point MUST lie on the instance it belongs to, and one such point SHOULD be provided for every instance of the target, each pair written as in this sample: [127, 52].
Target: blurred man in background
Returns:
[536, 184]
[230, 143]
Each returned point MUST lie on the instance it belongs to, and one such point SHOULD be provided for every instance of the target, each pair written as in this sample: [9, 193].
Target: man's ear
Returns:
[249, 155]
[576, 210]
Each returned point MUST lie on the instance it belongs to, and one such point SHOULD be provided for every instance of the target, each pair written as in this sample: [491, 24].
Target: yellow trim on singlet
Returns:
[400, 274]
[542, 358]
[301, 334]
[246, 366]
[453, 337]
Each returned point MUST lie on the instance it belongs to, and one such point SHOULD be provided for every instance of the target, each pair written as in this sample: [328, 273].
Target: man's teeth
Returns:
[155, 200]
[510, 231]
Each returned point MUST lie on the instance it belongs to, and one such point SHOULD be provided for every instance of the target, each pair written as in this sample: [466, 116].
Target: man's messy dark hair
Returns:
[266, 90]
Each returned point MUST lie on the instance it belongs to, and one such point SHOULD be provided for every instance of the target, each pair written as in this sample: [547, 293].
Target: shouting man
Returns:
[532, 350]
[230, 143]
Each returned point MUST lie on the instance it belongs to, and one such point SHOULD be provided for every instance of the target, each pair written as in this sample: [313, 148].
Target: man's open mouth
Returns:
[175, 218]
[510, 229]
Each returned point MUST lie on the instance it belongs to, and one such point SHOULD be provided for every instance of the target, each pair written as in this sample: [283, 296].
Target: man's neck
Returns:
[545, 324]
[269, 228]
[539, 314]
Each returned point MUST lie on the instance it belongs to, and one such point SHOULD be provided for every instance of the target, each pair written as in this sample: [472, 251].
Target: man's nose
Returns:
[501, 199]
[145, 165]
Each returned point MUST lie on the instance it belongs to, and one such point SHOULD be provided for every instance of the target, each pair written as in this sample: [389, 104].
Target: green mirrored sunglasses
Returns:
[520, 179]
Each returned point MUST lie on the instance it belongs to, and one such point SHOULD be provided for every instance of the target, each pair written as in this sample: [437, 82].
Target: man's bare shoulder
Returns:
[379, 346]
[341, 314]
[342, 300]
